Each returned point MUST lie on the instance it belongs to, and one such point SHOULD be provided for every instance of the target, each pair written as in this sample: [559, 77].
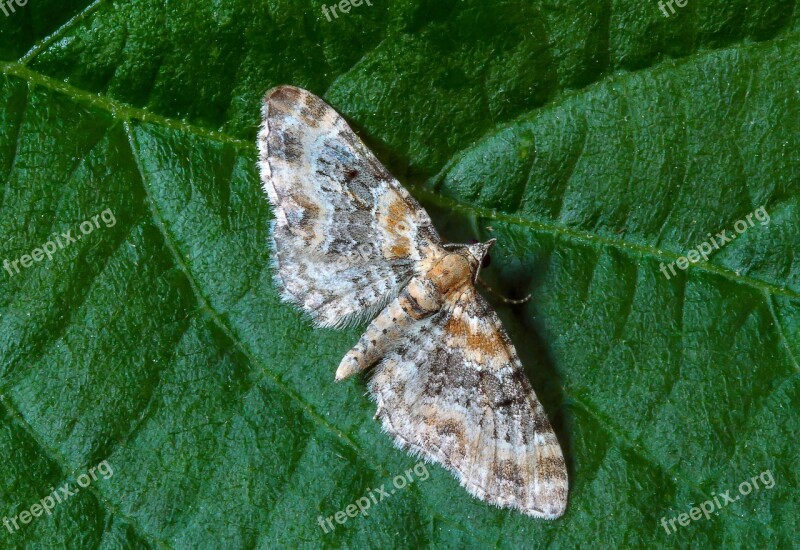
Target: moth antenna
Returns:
[505, 300]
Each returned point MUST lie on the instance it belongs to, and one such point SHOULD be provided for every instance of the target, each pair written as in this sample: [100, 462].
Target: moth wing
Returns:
[346, 235]
[454, 391]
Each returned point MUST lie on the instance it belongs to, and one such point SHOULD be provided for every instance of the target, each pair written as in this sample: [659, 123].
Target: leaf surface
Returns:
[596, 142]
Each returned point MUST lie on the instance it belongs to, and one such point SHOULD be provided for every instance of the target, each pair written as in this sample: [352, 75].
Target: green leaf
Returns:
[596, 142]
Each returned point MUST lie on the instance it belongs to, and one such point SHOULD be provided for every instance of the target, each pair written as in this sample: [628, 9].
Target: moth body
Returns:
[422, 297]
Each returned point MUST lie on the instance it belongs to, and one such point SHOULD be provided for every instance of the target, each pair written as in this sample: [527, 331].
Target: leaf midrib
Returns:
[587, 237]
[125, 112]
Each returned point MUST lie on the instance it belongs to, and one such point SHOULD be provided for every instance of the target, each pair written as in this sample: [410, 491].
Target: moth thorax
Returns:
[450, 273]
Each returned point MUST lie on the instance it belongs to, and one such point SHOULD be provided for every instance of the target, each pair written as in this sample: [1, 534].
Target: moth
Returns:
[350, 244]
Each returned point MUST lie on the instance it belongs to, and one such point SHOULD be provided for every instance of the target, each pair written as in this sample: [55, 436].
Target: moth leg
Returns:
[417, 301]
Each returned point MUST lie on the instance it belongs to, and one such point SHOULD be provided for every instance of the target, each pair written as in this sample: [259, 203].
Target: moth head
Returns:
[476, 254]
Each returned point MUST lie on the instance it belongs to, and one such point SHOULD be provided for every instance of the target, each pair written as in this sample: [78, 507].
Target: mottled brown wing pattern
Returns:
[349, 241]
[346, 235]
[453, 390]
